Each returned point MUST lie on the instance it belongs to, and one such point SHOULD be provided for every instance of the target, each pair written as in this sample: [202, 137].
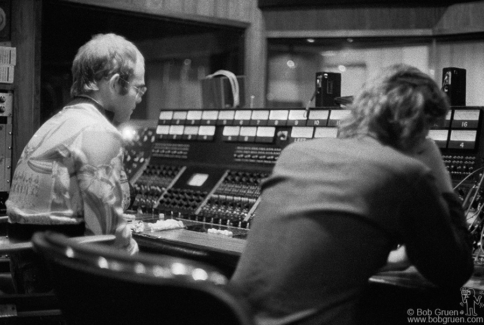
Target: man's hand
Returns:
[429, 153]
[397, 260]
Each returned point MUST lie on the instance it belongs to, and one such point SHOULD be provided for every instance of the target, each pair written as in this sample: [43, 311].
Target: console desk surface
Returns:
[234, 247]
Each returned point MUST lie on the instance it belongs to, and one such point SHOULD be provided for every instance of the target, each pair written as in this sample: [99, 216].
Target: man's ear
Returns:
[114, 81]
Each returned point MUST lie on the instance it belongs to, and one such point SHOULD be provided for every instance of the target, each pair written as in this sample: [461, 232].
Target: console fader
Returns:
[206, 166]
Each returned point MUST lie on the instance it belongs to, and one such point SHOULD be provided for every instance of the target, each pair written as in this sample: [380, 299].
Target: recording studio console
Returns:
[460, 140]
[206, 166]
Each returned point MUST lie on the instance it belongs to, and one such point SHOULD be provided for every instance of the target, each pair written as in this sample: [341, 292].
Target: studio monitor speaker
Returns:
[328, 87]
[454, 85]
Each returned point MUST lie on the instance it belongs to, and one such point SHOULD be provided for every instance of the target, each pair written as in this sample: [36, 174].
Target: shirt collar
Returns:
[85, 98]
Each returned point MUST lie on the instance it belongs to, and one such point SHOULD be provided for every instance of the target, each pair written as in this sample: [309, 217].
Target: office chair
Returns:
[97, 284]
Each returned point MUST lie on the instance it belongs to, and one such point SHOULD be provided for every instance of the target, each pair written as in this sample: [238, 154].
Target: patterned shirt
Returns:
[70, 172]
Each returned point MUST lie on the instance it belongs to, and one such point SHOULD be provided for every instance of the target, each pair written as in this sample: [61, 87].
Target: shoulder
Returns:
[92, 135]
[311, 145]
[356, 153]
[88, 120]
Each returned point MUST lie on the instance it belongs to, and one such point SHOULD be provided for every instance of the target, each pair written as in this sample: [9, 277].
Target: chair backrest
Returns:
[97, 284]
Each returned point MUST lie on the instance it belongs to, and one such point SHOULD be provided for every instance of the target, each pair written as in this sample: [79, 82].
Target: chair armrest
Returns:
[94, 239]
[6, 247]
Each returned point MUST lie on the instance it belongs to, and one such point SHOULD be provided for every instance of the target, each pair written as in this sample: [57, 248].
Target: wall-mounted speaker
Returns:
[328, 87]
[454, 85]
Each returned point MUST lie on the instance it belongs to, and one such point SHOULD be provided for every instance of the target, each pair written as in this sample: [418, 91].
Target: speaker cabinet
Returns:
[454, 85]
[328, 87]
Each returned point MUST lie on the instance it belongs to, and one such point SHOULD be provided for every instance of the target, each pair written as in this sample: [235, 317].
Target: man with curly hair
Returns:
[334, 209]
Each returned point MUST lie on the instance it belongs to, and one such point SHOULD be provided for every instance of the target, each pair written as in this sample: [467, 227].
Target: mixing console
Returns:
[154, 181]
[461, 141]
[234, 200]
[206, 167]
[138, 151]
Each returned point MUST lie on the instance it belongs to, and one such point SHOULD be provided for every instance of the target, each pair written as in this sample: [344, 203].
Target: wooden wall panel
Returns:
[238, 13]
[382, 20]
[221, 8]
[205, 7]
[268, 4]
[173, 5]
[226, 10]
[26, 22]
[353, 18]
[462, 18]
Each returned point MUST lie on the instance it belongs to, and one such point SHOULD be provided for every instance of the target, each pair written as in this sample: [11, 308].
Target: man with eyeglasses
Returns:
[70, 177]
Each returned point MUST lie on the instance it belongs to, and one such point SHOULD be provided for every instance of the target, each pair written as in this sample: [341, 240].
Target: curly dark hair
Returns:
[397, 107]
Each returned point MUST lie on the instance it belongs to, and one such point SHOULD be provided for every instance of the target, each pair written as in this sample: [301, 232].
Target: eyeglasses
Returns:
[140, 90]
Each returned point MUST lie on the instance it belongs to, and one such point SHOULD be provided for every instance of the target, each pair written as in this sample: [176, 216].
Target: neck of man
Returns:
[97, 102]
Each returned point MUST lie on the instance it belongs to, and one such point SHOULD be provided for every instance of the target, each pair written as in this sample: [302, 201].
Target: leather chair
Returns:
[39, 308]
[97, 284]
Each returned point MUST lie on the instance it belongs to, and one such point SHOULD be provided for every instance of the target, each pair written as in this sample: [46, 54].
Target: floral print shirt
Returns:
[71, 171]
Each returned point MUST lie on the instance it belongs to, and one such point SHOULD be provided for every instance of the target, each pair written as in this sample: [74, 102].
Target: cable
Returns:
[476, 214]
[479, 250]
[234, 84]
[306, 113]
[475, 194]
[467, 177]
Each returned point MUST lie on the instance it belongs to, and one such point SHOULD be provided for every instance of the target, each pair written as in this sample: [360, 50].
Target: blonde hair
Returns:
[103, 56]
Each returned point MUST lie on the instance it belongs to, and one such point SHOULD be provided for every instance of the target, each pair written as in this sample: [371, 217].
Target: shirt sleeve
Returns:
[103, 184]
[436, 236]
